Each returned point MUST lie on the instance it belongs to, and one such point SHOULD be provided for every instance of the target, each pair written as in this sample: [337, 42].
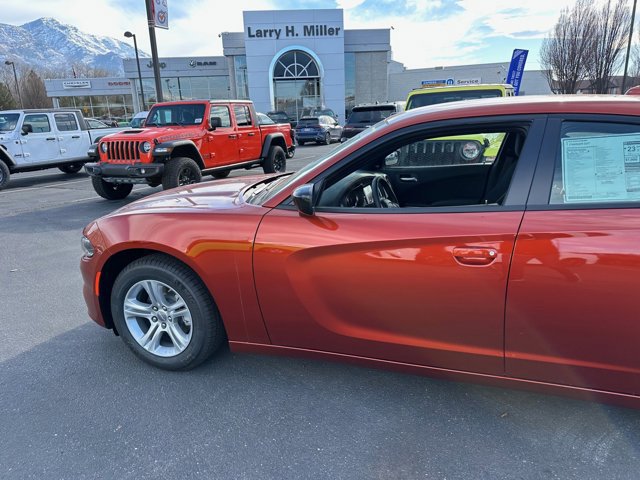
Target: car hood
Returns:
[160, 134]
[217, 195]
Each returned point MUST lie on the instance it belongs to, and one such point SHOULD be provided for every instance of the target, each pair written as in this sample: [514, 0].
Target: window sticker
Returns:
[198, 120]
[601, 168]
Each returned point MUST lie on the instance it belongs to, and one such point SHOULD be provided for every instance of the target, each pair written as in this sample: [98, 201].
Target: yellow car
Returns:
[472, 148]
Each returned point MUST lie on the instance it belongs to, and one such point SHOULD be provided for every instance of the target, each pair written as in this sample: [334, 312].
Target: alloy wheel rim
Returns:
[186, 177]
[158, 318]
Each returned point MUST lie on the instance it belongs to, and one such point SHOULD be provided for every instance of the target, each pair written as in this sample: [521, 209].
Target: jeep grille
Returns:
[123, 150]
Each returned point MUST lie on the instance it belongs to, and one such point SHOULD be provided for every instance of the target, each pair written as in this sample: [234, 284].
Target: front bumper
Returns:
[124, 173]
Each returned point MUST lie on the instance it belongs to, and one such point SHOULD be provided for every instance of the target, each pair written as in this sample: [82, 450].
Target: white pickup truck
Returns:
[45, 138]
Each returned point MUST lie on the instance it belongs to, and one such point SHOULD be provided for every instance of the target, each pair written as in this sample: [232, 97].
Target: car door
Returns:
[72, 141]
[249, 139]
[40, 144]
[572, 312]
[423, 286]
[220, 145]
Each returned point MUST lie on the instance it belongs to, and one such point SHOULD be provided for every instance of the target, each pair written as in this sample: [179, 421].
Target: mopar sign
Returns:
[433, 83]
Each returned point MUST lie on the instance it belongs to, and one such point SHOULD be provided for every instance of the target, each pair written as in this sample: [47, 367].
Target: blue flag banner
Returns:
[516, 69]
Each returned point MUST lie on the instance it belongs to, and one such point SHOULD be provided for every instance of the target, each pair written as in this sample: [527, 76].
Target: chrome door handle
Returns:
[408, 179]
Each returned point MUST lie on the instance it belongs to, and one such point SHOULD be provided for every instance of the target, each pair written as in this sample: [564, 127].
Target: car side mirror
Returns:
[27, 128]
[303, 198]
[215, 122]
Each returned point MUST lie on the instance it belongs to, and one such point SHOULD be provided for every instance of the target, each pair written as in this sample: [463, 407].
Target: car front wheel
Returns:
[165, 314]
[71, 169]
[276, 161]
[179, 172]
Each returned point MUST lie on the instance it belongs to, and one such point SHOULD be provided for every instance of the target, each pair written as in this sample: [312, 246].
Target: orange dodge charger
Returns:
[407, 247]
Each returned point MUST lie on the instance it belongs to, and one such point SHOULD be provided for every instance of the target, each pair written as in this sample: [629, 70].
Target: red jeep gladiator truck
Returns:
[181, 141]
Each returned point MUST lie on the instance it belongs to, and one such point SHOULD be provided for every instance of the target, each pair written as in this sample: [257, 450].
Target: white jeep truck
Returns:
[45, 138]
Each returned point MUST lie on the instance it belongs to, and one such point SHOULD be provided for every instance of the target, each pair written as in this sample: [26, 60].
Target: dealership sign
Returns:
[516, 69]
[71, 84]
[293, 31]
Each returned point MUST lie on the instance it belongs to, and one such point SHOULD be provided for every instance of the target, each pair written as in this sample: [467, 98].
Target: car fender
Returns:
[273, 139]
[178, 148]
[6, 157]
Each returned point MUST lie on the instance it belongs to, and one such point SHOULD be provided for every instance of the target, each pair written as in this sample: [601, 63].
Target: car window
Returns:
[222, 113]
[308, 122]
[264, 119]
[93, 123]
[370, 115]
[8, 121]
[465, 166]
[39, 122]
[66, 122]
[177, 114]
[243, 117]
[597, 163]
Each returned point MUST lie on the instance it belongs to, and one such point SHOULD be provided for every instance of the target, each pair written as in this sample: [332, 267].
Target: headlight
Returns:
[470, 150]
[87, 247]
[145, 147]
[104, 147]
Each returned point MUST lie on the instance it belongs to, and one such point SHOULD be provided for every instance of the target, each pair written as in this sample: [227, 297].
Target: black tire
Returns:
[327, 138]
[223, 174]
[4, 175]
[276, 161]
[111, 191]
[71, 168]
[204, 326]
[180, 171]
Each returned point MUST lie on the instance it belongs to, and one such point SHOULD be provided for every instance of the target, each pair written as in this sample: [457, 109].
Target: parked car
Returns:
[320, 129]
[184, 140]
[137, 121]
[281, 116]
[367, 114]
[633, 91]
[45, 138]
[394, 251]
[435, 94]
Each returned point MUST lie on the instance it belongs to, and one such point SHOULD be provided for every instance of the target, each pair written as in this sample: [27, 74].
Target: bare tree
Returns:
[34, 93]
[563, 53]
[608, 44]
[7, 101]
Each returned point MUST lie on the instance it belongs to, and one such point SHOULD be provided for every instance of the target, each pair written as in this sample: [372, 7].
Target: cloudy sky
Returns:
[426, 33]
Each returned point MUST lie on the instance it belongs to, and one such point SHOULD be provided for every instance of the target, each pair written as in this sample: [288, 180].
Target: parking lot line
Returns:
[18, 189]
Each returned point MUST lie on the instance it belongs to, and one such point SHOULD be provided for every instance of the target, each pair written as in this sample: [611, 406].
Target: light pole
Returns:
[128, 34]
[154, 49]
[15, 77]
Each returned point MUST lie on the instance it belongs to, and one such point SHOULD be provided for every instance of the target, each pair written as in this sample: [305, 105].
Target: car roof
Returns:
[529, 104]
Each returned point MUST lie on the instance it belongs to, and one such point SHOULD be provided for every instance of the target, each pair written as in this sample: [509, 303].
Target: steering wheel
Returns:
[383, 194]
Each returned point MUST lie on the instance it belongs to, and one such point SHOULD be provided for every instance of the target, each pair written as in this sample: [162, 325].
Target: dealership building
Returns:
[292, 60]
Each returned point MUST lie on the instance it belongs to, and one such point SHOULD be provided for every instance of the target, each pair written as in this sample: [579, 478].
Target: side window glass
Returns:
[243, 118]
[222, 113]
[39, 123]
[597, 163]
[466, 167]
[65, 122]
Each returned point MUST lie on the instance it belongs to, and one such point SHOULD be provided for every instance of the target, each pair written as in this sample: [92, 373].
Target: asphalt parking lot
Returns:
[76, 404]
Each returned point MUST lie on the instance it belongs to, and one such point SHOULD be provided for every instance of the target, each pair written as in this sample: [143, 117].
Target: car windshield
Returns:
[433, 97]
[370, 116]
[182, 114]
[289, 179]
[8, 121]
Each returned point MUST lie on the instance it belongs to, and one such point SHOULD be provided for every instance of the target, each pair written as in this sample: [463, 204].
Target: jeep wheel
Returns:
[165, 314]
[223, 174]
[71, 168]
[111, 191]
[179, 172]
[276, 161]
[4, 175]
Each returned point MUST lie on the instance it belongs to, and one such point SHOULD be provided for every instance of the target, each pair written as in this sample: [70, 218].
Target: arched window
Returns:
[296, 83]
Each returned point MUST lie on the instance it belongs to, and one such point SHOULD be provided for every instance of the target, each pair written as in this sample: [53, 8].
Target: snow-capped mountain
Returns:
[48, 44]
